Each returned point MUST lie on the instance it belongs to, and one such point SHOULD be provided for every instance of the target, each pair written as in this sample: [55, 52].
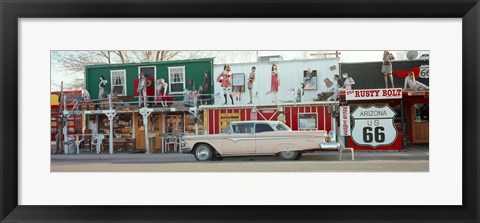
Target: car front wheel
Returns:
[203, 152]
[290, 155]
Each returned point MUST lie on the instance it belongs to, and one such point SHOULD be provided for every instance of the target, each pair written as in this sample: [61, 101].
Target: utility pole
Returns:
[60, 120]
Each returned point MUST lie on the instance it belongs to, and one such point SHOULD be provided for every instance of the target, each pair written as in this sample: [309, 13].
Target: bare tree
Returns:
[107, 54]
[162, 55]
[121, 55]
[402, 55]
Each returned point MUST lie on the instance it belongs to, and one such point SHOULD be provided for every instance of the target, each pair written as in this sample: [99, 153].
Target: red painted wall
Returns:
[397, 145]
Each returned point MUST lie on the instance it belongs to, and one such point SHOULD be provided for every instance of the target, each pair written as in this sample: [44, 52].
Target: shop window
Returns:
[154, 123]
[174, 123]
[122, 124]
[190, 123]
[263, 128]
[421, 112]
[119, 85]
[176, 79]
[307, 121]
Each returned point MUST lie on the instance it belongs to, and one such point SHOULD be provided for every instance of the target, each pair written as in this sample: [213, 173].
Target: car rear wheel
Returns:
[203, 152]
[290, 155]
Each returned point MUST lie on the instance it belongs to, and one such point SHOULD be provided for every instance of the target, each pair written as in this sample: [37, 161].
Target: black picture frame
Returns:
[11, 11]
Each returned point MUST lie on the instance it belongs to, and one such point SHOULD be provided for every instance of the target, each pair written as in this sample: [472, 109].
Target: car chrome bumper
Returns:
[329, 145]
[185, 150]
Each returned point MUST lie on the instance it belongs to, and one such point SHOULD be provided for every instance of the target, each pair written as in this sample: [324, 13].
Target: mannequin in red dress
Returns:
[225, 79]
[275, 82]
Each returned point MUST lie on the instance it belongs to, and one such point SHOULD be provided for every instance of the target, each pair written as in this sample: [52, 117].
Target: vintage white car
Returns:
[253, 138]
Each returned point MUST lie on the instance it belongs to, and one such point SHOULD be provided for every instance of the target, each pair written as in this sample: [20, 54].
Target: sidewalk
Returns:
[414, 152]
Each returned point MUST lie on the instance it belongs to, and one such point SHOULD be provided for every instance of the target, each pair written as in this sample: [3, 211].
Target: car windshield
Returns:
[281, 127]
[227, 129]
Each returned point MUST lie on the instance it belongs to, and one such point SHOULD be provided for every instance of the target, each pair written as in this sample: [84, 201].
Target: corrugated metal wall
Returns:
[291, 75]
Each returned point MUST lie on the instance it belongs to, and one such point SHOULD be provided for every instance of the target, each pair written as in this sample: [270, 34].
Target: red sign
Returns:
[344, 120]
[373, 94]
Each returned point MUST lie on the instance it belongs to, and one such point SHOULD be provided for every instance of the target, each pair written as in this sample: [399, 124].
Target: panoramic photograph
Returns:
[239, 111]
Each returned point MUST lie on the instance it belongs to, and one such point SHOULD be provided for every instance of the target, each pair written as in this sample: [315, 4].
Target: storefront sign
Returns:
[344, 120]
[226, 118]
[373, 94]
[374, 126]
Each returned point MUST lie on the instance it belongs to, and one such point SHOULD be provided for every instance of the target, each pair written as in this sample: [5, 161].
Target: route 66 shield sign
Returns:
[424, 71]
[373, 126]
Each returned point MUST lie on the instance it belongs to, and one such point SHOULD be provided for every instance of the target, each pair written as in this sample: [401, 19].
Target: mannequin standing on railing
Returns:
[161, 87]
[142, 90]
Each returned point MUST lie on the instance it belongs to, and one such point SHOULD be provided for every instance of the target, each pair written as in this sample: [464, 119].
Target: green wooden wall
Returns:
[193, 71]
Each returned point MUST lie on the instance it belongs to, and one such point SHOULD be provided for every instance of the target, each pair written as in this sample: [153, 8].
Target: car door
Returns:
[240, 139]
[264, 138]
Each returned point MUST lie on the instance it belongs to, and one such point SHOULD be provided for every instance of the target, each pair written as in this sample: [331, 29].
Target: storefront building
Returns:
[399, 117]
[380, 118]
[307, 116]
[74, 123]
[128, 122]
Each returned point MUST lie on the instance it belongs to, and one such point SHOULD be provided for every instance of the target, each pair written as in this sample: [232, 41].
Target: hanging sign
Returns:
[344, 120]
[373, 94]
[374, 126]
[226, 118]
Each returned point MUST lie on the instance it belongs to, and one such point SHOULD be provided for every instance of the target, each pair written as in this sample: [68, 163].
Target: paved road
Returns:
[410, 161]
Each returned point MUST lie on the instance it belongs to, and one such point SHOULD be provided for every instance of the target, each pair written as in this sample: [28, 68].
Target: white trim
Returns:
[170, 82]
[154, 77]
[124, 80]
[287, 104]
[324, 118]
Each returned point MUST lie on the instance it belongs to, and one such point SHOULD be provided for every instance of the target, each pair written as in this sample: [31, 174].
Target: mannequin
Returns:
[300, 92]
[332, 88]
[84, 97]
[142, 90]
[347, 84]
[275, 83]
[387, 67]
[225, 79]
[251, 79]
[205, 88]
[412, 84]
[161, 88]
[101, 88]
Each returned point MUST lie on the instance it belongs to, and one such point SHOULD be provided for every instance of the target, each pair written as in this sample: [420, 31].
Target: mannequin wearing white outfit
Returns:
[411, 83]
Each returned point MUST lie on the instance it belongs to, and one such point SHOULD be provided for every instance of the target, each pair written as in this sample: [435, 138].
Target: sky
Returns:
[346, 56]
